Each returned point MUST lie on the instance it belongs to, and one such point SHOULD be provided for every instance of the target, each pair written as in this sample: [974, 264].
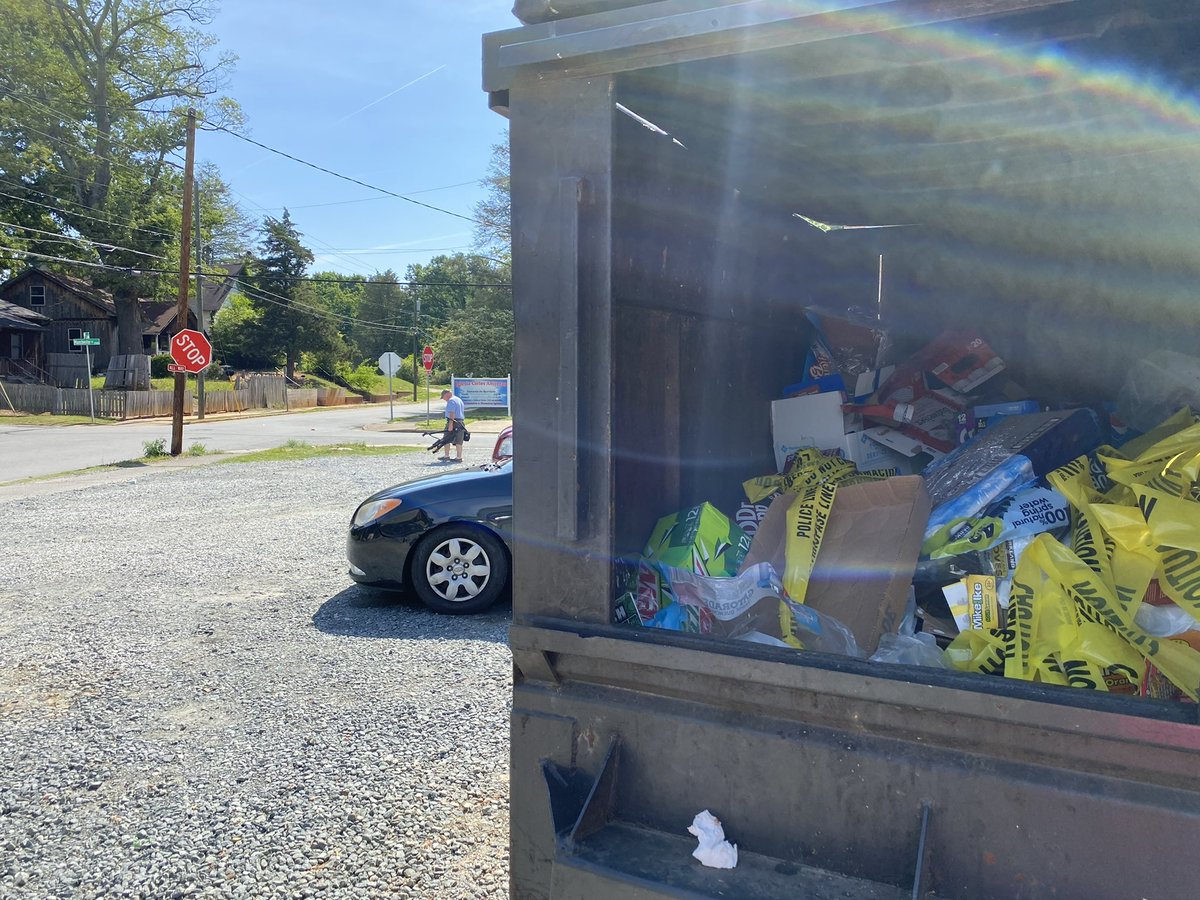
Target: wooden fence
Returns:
[330, 396]
[301, 398]
[131, 373]
[37, 399]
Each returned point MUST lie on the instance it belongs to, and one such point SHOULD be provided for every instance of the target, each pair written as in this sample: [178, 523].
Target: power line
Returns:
[77, 262]
[110, 160]
[161, 233]
[416, 284]
[32, 101]
[255, 293]
[372, 187]
[332, 250]
[377, 252]
[82, 241]
[147, 270]
[444, 187]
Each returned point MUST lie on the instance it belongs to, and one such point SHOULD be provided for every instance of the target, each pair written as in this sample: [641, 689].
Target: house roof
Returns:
[18, 318]
[158, 315]
[216, 287]
[98, 297]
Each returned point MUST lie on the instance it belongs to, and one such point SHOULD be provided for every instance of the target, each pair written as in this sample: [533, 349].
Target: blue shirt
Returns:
[455, 405]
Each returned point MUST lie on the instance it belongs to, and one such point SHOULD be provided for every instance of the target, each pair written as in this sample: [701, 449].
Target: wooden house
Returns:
[72, 308]
[22, 343]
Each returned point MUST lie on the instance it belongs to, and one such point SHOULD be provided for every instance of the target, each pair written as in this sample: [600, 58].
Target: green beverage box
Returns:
[701, 540]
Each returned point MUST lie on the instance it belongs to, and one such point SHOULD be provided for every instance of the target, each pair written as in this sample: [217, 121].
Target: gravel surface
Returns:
[195, 700]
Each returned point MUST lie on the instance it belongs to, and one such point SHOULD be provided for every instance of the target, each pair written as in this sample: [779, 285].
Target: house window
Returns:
[37, 295]
[72, 334]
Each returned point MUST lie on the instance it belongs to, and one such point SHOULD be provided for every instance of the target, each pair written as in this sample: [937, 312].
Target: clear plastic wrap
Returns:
[1157, 386]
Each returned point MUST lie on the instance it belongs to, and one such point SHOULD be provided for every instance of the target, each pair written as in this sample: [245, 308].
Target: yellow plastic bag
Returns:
[979, 650]
[1177, 661]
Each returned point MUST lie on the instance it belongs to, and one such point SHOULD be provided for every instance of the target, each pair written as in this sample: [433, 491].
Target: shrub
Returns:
[363, 377]
[154, 449]
[158, 365]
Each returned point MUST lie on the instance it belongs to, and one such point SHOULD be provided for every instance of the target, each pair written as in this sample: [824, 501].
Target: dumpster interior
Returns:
[1025, 194]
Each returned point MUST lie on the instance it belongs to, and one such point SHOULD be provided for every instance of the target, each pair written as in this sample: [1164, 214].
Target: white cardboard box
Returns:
[816, 420]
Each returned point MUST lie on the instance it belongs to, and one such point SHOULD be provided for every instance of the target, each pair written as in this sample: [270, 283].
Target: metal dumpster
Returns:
[1043, 157]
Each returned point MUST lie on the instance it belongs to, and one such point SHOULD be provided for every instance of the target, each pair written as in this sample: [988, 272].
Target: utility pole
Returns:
[185, 252]
[416, 343]
[199, 304]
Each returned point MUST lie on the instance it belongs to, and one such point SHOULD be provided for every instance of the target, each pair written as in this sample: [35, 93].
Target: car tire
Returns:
[459, 569]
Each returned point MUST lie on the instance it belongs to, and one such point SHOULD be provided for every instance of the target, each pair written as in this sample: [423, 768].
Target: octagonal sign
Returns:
[191, 351]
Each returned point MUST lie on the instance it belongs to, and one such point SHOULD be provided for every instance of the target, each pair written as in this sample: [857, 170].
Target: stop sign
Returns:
[191, 350]
[427, 358]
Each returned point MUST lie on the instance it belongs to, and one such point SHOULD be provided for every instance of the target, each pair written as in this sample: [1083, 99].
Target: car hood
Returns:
[441, 479]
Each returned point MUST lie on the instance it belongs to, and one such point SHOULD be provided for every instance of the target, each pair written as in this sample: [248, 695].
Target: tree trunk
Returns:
[129, 322]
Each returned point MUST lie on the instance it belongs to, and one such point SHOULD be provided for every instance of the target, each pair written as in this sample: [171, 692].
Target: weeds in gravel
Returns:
[302, 450]
[197, 449]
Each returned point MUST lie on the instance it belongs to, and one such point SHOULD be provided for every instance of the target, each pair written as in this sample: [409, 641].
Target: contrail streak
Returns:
[391, 94]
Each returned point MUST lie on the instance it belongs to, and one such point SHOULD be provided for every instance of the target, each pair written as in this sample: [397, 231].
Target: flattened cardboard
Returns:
[867, 558]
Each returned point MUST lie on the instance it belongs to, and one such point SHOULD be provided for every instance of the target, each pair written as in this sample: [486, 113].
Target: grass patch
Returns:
[302, 450]
[50, 419]
[155, 449]
[168, 384]
[487, 414]
[197, 449]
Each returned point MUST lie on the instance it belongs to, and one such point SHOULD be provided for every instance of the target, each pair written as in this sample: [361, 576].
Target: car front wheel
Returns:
[459, 569]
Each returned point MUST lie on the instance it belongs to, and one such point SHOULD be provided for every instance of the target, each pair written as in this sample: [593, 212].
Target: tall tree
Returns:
[476, 342]
[292, 320]
[493, 214]
[342, 298]
[91, 101]
[385, 313]
[449, 283]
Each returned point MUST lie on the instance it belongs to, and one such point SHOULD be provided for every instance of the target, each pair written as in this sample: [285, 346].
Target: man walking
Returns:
[455, 414]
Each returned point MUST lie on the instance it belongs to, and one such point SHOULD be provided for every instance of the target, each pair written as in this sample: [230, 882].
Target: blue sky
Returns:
[313, 78]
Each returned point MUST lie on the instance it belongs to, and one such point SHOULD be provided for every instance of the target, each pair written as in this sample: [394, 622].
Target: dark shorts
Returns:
[453, 434]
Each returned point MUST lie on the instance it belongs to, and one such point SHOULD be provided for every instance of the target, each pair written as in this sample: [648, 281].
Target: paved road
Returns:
[35, 450]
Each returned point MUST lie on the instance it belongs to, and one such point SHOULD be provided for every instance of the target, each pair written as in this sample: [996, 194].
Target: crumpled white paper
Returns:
[714, 851]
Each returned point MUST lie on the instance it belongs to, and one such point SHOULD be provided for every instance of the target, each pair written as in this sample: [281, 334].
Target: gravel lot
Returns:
[195, 700]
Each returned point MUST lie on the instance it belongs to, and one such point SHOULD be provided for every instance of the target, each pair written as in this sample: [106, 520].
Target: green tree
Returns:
[476, 342]
[292, 319]
[447, 284]
[385, 316]
[91, 102]
[226, 232]
[493, 214]
[236, 335]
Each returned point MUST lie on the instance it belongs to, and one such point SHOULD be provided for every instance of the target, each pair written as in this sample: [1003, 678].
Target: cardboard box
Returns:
[867, 558]
[700, 539]
[817, 421]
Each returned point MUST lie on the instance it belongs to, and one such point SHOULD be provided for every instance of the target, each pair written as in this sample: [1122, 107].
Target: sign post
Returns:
[87, 342]
[427, 359]
[389, 365]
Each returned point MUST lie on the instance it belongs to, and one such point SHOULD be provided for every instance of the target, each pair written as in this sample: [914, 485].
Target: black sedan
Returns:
[446, 537]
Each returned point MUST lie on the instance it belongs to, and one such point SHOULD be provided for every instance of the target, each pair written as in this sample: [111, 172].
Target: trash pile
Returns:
[935, 513]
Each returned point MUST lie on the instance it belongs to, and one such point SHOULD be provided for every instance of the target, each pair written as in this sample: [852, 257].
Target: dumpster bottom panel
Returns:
[630, 861]
[837, 800]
